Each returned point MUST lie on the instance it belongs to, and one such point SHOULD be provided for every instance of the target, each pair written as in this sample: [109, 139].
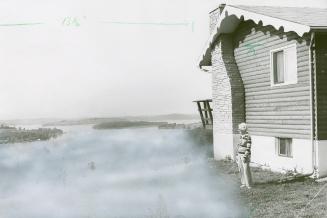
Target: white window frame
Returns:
[289, 149]
[272, 78]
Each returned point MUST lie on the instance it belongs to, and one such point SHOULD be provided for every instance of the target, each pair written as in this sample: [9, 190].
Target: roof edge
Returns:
[220, 7]
[230, 11]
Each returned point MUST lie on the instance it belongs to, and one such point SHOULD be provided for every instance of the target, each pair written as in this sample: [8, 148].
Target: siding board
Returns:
[286, 122]
[255, 117]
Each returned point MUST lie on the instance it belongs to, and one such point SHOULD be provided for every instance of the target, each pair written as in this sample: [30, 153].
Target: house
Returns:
[269, 69]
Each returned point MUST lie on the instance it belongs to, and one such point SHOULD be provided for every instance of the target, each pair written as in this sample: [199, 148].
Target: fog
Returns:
[114, 174]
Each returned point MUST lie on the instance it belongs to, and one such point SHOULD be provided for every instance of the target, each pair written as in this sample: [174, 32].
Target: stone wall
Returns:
[227, 97]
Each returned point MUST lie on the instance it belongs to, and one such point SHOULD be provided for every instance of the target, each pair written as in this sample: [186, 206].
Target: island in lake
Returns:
[9, 134]
[127, 124]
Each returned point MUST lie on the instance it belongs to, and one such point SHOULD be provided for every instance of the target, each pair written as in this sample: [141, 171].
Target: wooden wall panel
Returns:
[281, 111]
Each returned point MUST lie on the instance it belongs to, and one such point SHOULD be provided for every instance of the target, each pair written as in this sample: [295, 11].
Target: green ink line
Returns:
[20, 24]
[251, 47]
[146, 23]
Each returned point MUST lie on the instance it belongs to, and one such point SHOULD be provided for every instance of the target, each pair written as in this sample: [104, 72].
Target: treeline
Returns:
[3, 126]
[19, 135]
[126, 124]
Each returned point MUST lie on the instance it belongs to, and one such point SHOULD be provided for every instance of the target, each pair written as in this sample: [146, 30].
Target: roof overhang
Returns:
[231, 17]
[319, 28]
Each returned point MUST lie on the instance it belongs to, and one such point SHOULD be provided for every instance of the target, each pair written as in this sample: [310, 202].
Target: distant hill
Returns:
[165, 117]
[84, 121]
[176, 117]
[127, 124]
[154, 118]
[38, 121]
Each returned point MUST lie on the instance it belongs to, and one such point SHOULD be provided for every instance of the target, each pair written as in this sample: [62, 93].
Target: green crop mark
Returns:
[252, 47]
[71, 21]
[20, 24]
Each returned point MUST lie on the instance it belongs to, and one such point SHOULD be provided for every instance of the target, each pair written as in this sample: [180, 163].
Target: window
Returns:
[284, 146]
[283, 62]
[278, 68]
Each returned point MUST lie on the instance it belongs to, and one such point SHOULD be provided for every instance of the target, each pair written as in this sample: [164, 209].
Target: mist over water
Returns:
[129, 173]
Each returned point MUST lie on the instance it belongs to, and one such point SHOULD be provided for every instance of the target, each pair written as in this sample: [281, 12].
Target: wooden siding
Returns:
[281, 111]
[321, 72]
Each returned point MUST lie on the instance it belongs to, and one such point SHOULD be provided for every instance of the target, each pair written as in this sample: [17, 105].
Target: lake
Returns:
[126, 173]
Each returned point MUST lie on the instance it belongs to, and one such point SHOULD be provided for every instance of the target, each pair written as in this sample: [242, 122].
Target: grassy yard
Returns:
[270, 197]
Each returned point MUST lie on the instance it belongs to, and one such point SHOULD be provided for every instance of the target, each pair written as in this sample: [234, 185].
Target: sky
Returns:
[100, 58]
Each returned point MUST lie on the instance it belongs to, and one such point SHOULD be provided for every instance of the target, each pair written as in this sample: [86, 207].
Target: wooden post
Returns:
[201, 114]
[206, 112]
[210, 112]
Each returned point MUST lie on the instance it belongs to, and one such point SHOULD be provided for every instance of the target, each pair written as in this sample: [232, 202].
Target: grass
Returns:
[269, 197]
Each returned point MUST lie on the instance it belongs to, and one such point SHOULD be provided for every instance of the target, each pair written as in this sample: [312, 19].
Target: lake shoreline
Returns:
[10, 135]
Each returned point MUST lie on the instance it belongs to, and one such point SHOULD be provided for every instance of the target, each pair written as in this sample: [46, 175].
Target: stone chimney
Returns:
[228, 98]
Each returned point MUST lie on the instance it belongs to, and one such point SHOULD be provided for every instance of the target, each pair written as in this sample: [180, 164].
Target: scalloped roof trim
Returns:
[277, 23]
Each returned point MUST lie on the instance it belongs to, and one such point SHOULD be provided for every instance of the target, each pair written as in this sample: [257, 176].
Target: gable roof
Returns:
[313, 17]
[298, 20]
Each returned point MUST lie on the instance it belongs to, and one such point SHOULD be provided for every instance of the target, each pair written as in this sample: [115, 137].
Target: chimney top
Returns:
[220, 8]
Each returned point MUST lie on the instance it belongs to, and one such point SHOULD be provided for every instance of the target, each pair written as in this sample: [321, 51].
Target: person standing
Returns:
[244, 156]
